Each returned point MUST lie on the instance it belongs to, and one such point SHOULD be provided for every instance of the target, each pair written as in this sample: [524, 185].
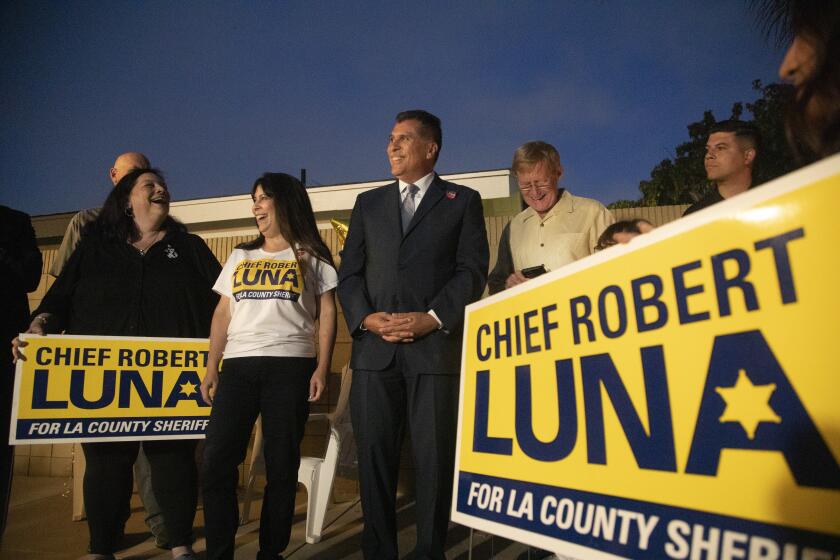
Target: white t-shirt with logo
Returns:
[272, 305]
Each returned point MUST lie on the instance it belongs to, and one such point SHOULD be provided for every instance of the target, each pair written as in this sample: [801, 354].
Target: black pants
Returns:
[107, 488]
[380, 403]
[276, 388]
[7, 372]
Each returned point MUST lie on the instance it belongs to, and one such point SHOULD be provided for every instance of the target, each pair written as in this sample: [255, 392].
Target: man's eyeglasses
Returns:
[539, 187]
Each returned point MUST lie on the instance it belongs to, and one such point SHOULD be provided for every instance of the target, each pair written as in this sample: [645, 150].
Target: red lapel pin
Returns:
[451, 195]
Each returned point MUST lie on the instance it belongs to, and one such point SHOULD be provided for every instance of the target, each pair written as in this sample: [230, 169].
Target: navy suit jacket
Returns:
[439, 264]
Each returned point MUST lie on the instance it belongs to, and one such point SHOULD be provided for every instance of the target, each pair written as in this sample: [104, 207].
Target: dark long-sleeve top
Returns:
[708, 200]
[504, 264]
[109, 288]
[20, 270]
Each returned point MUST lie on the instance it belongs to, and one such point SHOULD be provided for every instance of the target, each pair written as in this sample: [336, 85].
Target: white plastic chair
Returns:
[315, 473]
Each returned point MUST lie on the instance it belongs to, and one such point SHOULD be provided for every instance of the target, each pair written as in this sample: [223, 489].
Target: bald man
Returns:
[122, 165]
[142, 474]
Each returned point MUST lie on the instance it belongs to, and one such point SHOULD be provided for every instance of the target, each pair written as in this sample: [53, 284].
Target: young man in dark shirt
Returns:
[730, 155]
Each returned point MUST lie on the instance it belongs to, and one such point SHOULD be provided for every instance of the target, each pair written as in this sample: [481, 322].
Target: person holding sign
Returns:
[124, 163]
[273, 290]
[136, 272]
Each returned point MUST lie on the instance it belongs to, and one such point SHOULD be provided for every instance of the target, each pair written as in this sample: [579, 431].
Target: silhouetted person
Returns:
[20, 273]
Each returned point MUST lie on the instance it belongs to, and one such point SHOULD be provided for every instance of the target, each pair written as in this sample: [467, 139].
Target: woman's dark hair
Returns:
[115, 221]
[638, 222]
[293, 212]
[624, 226]
[817, 22]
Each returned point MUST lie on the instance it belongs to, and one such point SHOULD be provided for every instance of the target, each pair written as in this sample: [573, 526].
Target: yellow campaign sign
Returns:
[677, 397]
[74, 388]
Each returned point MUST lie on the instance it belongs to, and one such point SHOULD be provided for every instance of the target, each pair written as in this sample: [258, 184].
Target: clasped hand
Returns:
[400, 327]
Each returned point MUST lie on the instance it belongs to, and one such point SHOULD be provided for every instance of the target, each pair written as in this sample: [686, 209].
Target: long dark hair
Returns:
[115, 221]
[817, 22]
[624, 226]
[294, 216]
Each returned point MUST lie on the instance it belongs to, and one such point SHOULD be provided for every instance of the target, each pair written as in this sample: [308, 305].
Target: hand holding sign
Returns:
[37, 326]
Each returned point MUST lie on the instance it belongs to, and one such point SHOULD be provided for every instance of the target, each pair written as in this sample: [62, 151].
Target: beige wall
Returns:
[657, 215]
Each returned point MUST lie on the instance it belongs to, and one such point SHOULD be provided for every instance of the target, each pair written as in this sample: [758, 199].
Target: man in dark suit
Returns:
[20, 273]
[416, 254]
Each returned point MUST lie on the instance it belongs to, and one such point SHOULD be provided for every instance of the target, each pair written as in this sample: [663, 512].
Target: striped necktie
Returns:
[408, 207]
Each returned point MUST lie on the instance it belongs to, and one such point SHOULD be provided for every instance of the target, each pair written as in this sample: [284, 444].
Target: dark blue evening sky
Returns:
[218, 92]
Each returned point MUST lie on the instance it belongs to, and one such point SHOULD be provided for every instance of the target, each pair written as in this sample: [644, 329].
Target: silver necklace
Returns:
[144, 250]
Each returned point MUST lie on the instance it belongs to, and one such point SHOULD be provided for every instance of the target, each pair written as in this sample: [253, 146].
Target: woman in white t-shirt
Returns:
[273, 290]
